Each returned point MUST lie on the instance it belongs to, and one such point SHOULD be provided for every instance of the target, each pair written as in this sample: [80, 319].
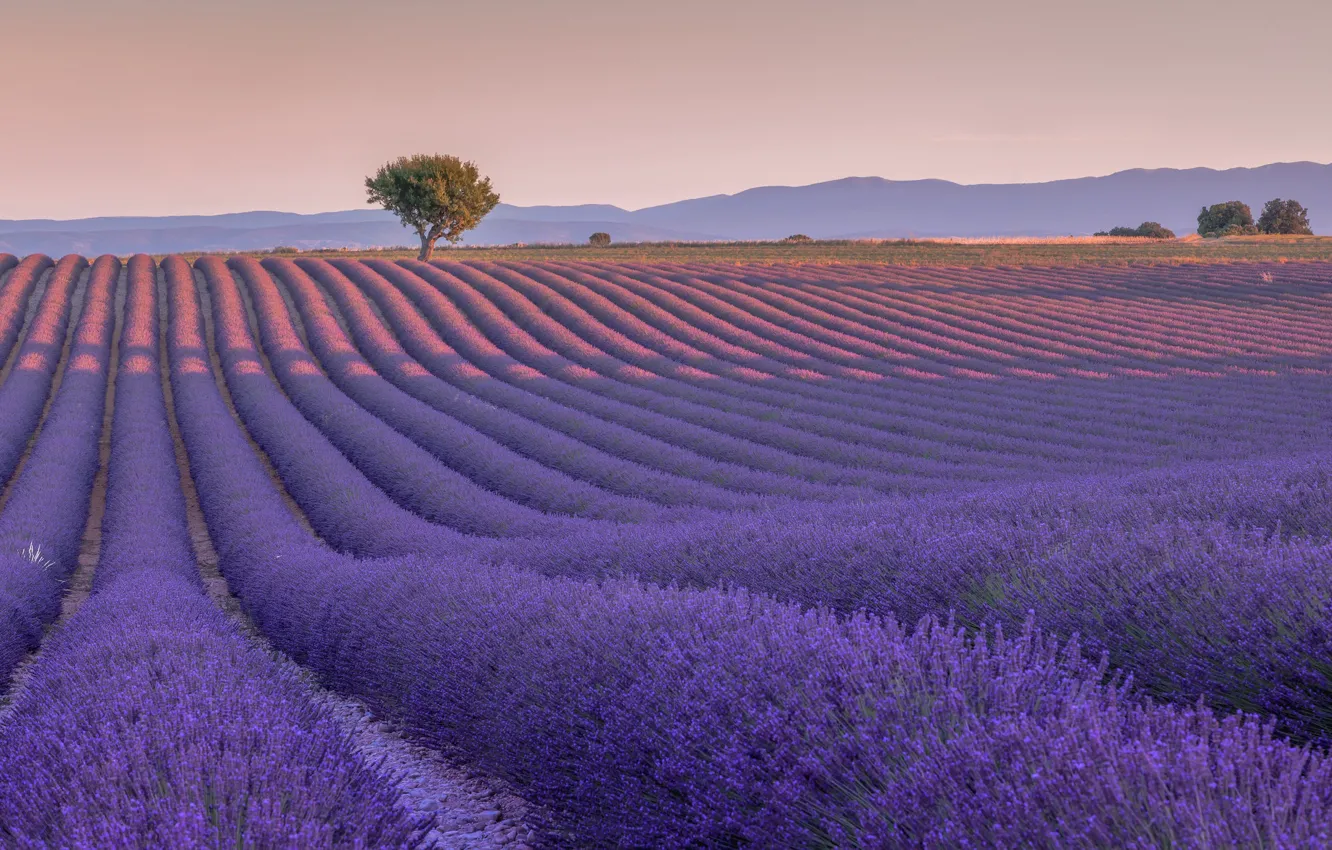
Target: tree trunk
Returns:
[427, 247]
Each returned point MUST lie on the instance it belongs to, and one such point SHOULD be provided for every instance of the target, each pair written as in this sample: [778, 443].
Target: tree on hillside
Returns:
[1233, 218]
[440, 197]
[1285, 217]
[599, 239]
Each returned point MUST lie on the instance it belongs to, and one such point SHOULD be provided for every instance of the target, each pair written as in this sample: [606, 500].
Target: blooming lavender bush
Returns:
[42, 524]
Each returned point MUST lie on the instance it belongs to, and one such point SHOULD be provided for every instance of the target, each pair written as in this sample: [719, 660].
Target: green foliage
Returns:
[1233, 218]
[440, 197]
[796, 238]
[1155, 230]
[1284, 217]
[1146, 230]
[599, 239]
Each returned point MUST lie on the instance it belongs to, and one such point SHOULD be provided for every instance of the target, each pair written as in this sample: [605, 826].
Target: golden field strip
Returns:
[922, 252]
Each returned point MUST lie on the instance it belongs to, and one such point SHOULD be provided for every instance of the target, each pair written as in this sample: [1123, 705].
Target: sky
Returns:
[163, 107]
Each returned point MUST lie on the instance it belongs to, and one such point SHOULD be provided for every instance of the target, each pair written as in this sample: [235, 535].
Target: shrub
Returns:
[1148, 230]
[1284, 217]
[599, 239]
[1232, 218]
[797, 238]
[1155, 230]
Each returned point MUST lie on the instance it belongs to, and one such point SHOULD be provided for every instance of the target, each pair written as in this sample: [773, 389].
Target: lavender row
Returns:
[42, 524]
[410, 475]
[652, 717]
[961, 417]
[742, 374]
[1091, 412]
[343, 507]
[715, 434]
[1212, 582]
[440, 339]
[1097, 445]
[209, 741]
[1161, 356]
[760, 370]
[523, 437]
[1095, 409]
[487, 463]
[24, 393]
[992, 407]
[648, 383]
[14, 297]
[847, 419]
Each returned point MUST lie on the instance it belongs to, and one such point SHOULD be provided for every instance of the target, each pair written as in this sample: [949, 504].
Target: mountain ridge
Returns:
[848, 207]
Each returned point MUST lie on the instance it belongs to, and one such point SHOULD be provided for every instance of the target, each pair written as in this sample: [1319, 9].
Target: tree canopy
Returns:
[440, 197]
[1284, 217]
[600, 239]
[1147, 230]
[1232, 218]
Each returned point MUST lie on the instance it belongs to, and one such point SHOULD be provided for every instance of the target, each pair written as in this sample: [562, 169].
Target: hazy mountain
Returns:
[856, 207]
[872, 206]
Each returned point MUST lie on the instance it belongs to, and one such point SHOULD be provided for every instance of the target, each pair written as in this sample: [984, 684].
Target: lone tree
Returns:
[599, 239]
[1232, 218]
[1285, 217]
[440, 197]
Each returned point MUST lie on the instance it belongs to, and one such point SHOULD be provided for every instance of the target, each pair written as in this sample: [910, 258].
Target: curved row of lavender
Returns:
[41, 527]
[858, 438]
[149, 720]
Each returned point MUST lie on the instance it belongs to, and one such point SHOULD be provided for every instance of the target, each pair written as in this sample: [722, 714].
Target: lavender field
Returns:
[681, 555]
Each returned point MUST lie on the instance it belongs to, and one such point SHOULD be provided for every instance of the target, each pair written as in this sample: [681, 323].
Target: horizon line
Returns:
[941, 180]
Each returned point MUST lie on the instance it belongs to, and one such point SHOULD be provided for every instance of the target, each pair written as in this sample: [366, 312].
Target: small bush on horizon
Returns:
[795, 238]
[1146, 230]
[599, 239]
[1287, 218]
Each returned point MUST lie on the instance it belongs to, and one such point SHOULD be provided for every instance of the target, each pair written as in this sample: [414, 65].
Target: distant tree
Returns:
[599, 239]
[1147, 230]
[440, 197]
[1285, 217]
[1229, 219]
[797, 237]
[1155, 230]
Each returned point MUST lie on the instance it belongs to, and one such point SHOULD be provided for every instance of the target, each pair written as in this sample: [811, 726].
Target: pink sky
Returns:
[129, 107]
